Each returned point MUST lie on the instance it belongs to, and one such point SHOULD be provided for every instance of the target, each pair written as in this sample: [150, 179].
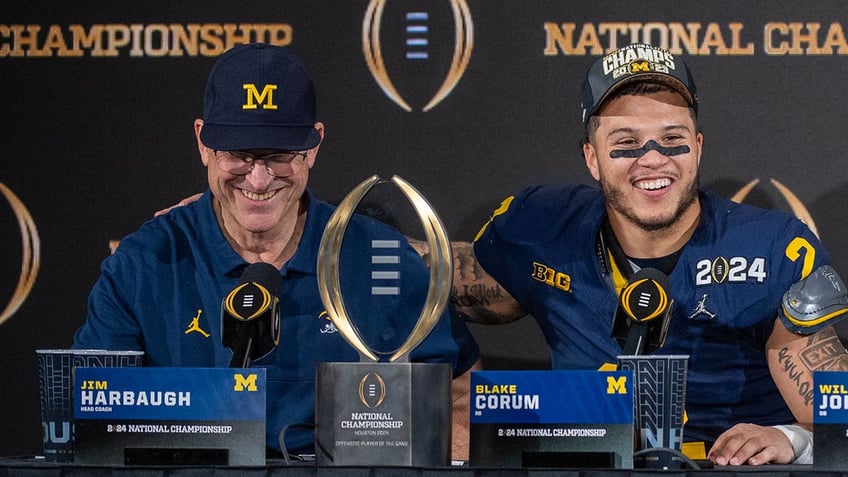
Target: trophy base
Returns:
[393, 414]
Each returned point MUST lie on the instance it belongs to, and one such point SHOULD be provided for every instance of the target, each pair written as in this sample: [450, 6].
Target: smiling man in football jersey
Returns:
[753, 292]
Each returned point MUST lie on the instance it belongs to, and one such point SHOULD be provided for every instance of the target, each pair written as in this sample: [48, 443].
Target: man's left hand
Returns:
[753, 445]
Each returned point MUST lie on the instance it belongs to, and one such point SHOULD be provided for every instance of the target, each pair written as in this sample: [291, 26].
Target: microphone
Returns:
[250, 315]
[640, 324]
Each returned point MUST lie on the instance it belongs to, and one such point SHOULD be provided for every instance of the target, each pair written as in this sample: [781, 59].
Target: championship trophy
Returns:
[383, 412]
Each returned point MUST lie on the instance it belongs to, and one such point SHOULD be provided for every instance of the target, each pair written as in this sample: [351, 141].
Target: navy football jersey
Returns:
[727, 287]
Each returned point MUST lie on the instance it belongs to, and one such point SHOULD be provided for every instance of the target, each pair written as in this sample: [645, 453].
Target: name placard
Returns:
[830, 420]
[150, 416]
[552, 418]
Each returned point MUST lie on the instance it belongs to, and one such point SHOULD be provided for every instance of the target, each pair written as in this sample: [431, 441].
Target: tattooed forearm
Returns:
[795, 371]
[476, 295]
[824, 352]
[800, 358]
[466, 268]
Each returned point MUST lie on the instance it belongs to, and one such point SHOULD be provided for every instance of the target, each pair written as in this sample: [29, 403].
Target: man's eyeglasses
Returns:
[241, 163]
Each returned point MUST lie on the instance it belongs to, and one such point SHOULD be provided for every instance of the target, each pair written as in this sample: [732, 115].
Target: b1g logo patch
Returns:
[551, 277]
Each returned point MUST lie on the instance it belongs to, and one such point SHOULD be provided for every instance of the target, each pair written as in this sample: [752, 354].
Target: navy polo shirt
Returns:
[161, 292]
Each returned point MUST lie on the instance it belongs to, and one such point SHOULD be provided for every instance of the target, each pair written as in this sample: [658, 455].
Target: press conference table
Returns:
[29, 467]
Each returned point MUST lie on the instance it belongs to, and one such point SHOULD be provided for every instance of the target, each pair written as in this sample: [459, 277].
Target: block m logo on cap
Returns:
[638, 66]
[255, 98]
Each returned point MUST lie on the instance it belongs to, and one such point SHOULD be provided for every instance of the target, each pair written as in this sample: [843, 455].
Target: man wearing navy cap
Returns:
[753, 295]
[162, 289]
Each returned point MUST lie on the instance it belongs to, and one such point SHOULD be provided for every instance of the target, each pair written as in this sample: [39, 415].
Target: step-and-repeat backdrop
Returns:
[469, 100]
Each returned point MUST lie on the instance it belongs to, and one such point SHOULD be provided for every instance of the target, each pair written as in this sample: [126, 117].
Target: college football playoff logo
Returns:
[794, 202]
[372, 390]
[30, 253]
[418, 39]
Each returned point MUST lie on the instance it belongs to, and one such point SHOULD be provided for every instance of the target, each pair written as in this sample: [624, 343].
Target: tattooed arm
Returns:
[792, 359]
[477, 296]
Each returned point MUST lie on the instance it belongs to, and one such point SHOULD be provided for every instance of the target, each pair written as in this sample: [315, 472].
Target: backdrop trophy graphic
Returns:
[383, 411]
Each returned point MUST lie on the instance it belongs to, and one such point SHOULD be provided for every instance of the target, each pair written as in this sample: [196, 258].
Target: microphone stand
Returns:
[636, 335]
[241, 353]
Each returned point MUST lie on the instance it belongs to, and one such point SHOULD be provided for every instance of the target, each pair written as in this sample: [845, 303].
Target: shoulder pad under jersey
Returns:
[814, 302]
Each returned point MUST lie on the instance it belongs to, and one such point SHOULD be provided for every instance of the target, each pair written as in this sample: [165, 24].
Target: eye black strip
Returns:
[649, 146]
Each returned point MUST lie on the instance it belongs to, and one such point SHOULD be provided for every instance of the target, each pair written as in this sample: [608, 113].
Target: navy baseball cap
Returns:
[259, 96]
[632, 63]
